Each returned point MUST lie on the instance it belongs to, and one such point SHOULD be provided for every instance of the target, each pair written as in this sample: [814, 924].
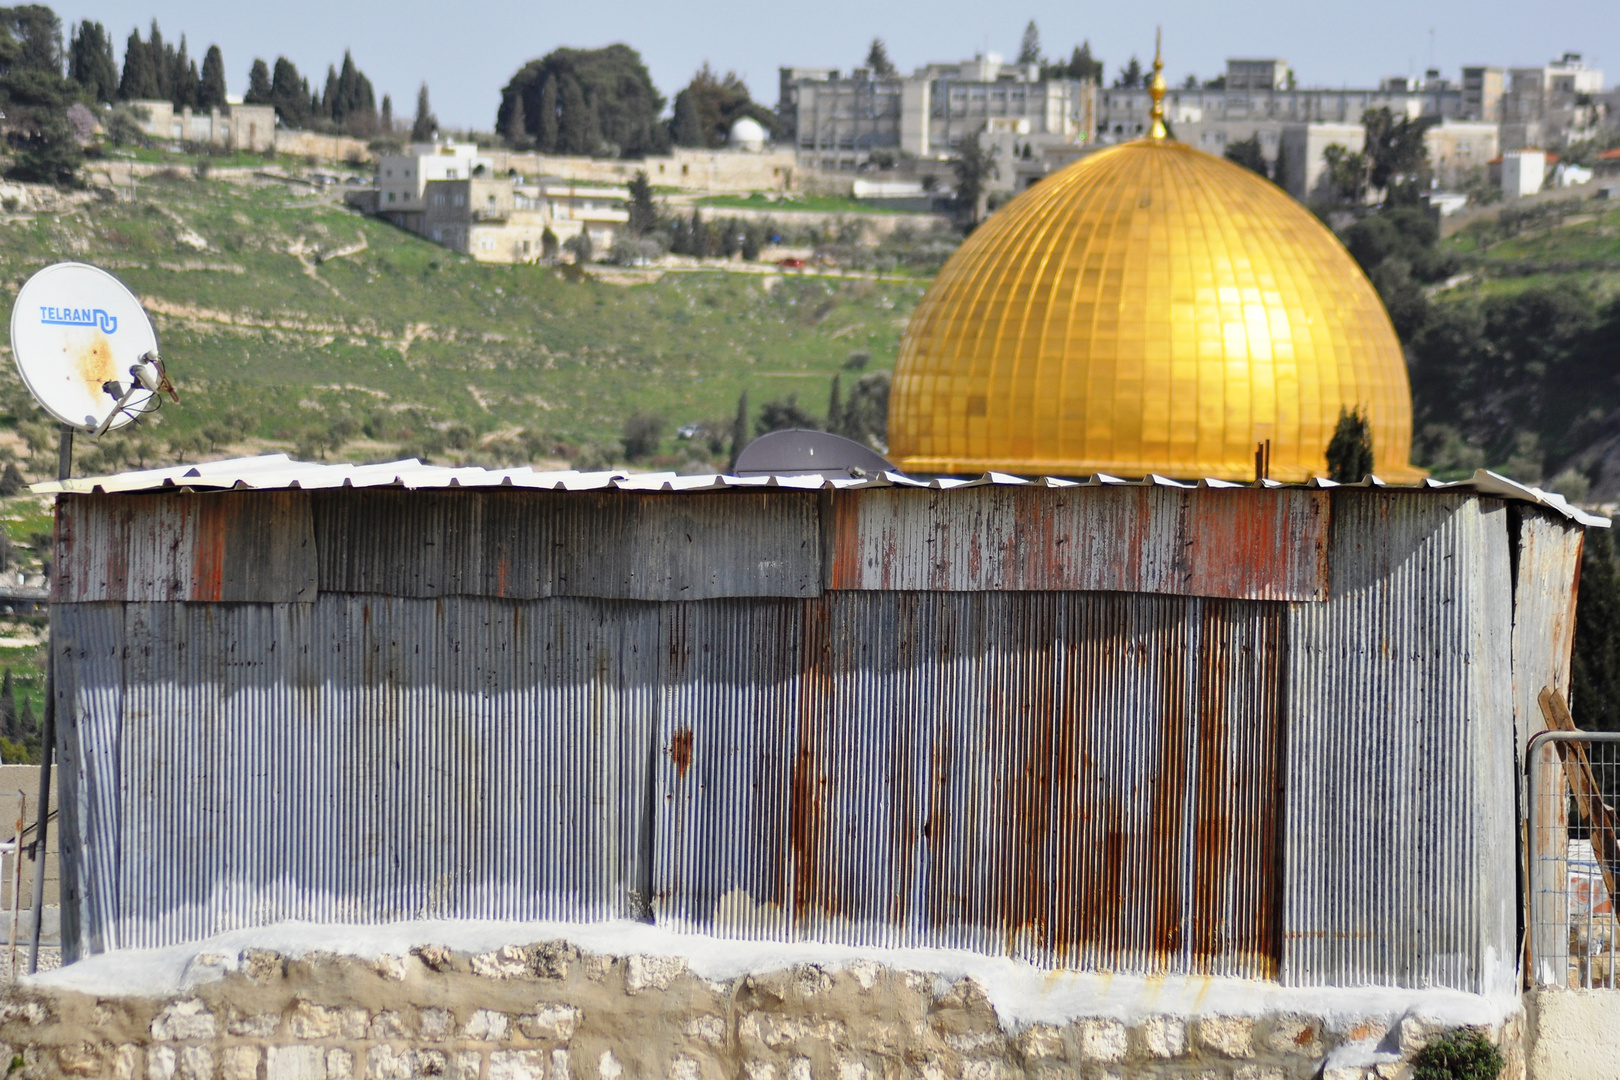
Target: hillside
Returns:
[289, 322]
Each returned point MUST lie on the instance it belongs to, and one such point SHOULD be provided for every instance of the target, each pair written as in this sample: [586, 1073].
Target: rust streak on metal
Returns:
[680, 751]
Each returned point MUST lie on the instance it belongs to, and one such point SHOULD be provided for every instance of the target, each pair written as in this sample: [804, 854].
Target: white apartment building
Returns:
[838, 122]
[504, 219]
[402, 179]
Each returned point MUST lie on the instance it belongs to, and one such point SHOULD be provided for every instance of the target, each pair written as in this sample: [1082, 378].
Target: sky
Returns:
[467, 51]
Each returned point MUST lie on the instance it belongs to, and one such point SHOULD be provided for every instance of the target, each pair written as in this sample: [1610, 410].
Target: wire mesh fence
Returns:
[1574, 857]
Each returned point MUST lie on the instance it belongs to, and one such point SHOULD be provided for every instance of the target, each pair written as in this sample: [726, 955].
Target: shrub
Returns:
[1459, 1054]
[642, 434]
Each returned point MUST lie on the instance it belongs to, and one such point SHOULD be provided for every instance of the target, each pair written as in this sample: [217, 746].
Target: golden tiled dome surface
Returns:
[1150, 308]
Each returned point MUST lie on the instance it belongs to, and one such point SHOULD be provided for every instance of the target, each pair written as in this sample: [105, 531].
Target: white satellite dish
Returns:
[85, 347]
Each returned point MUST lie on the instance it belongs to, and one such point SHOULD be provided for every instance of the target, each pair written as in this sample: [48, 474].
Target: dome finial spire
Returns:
[1156, 87]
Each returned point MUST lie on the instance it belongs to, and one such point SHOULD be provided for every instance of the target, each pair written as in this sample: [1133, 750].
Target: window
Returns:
[449, 174]
[390, 196]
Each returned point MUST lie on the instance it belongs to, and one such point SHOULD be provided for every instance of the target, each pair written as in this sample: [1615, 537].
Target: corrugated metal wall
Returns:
[1400, 775]
[540, 725]
[1084, 779]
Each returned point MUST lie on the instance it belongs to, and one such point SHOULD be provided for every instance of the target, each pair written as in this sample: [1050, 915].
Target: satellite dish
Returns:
[803, 452]
[85, 348]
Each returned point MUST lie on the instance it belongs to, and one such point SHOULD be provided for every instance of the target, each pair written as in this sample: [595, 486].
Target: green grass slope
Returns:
[280, 314]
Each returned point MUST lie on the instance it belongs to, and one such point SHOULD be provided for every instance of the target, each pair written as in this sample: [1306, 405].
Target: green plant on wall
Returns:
[1459, 1054]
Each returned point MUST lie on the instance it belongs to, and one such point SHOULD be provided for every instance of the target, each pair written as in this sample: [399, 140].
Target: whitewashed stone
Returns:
[1040, 1041]
[239, 1063]
[196, 1063]
[1229, 1036]
[389, 1025]
[1102, 1040]
[160, 1062]
[189, 1019]
[311, 1021]
[487, 1025]
[1164, 1036]
[685, 1068]
[125, 1059]
[708, 1028]
[550, 1022]
[517, 1065]
[339, 1064]
[295, 1063]
[435, 1023]
[608, 1067]
[652, 972]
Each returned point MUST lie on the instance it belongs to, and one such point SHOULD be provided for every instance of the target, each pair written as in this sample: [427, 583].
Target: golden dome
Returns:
[1150, 308]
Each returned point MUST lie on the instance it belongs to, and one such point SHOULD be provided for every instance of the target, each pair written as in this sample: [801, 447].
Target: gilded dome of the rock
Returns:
[1150, 308]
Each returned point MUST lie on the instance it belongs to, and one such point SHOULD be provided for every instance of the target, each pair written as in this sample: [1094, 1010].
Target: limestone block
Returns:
[125, 1061]
[1394, 1070]
[810, 980]
[779, 1031]
[551, 959]
[295, 1063]
[339, 1064]
[507, 962]
[799, 1069]
[262, 965]
[160, 1063]
[311, 1021]
[517, 1065]
[256, 1025]
[467, 1065]
[759, 1070]
[391, 968]
[1103, 1041]
[435, 1023]
[1164, 1037]
[865, 972]
[1041, 1041]
[196, 1063]
[1229, 1036]
[556, 1022]
[1291, 1034]
[652, 972]
[80, 1059]
[435, 957]
[597, 968]
[389, 1025]
[608, 1067]
[990, 1069]
[239, 1063]
[386, 1063]
[708, 1028]
[189, 1019]
[974, 1041]
[1259, 1072]
[487, 1025]
[685, 1068]
[559, 1064]
[1349, 1072]
[32, 1013]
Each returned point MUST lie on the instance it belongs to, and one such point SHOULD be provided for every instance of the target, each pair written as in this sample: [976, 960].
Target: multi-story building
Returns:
[839, 123]
[1482, 90]
[504, 219]
[1559, 102]
[402, 179]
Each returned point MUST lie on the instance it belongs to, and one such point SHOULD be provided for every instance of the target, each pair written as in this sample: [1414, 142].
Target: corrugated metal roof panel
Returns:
[1241, 543]
[279, 471]
[1399, 836]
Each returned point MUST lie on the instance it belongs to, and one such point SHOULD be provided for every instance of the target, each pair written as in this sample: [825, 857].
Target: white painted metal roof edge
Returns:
[272, 472]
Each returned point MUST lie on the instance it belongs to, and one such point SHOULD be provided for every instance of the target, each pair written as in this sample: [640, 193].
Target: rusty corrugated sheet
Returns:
[359, 759]
[1079, 779]
[1243, 543]
[226, 546]
[1400, 834]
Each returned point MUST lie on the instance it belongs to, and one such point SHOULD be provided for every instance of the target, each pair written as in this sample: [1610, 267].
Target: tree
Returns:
[8, 708]
[1346, 173]
[783, 414]
[140, 78]
[211, 91]
[32, 39]
[259, 86]
[878, 62]
[90, 61]
[686, 129]
[1350, 451]
[835, 409]
[708, 105]
[547, 129]
[1247, 153]
[385, 121]
[350, 101]
[1029, 49]
[739, 431]
[1279, 168]
[866, 411]
[517, 125]
[183, 79]
[974, 168]
[577, 132]
[426, 125]
[1130, 76]
[643, 211]
[36, 97]
[1080, 66]
[617, 90]
[1397, 160]
[289, 93]
[1594, 669]
[643, 433]
[580, 247]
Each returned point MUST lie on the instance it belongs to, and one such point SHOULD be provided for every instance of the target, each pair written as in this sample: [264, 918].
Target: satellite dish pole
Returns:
[88, 354]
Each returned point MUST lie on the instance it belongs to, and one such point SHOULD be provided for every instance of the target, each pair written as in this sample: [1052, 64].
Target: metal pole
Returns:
[47, 745]
[16, 880]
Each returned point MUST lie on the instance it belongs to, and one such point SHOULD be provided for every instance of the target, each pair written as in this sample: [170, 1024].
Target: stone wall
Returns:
[550, 1010]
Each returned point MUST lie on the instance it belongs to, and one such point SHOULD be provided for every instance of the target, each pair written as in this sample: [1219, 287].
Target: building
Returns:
[235, 127]
[1482, 91]
[838, 123]
[1523, 172]
[1461, 150]
[402, 179]
[504, 220]
[1559, 102]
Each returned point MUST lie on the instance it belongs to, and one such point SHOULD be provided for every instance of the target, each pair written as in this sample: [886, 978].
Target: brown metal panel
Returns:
[1079, 779]
[216, 546]
[1239, 543]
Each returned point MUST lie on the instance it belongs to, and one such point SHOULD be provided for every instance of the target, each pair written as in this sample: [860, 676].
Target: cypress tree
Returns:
[739, 431]
[289, 93]
[8, 707]
[517, 124]
[1350, 451]
[426, 125]
[183, 78]
[577, 132]
[258, 91]
[386, 121]
[1594, 670]
[90, 61]
[546, 132]
[139, 81]
[27, 725]
[835, 408]
[331, 108]
[211, 89]
[687, 128]
[162, 58]
[643, 211]
[699, 235]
